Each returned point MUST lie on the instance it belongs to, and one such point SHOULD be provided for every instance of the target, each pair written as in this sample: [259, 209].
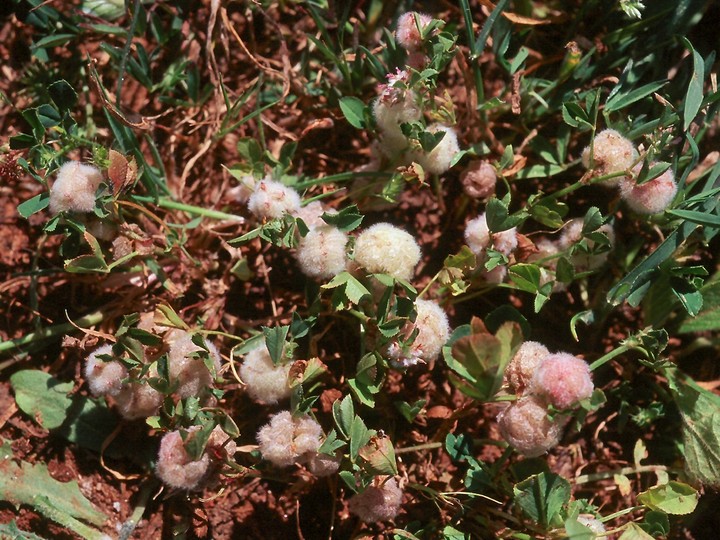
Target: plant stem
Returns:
[609, 356]
[594, 477]
[51, 332]
[170, 204]
[417, 448]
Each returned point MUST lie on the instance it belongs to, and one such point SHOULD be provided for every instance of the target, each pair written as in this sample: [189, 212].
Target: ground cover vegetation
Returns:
[314, 269]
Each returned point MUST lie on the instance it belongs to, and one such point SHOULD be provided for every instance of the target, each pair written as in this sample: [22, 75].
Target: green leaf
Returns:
[91, 263]
[525, 276]
[63, 95]
[11, 532]
[541, 497]
[410, 411]
[354, 111]
[623, 99]
[577, 531]
[61, 501]
[379, 456]
[346, 220]
[694, 94]
[275, 340]
[459, 447]
[701, 218]
[709, 317]
[349, 290]
[359, 437]
[633, 531]
[42, 397]
[166, 316]
[700, 414]
[674, 498]
[478, 358]
[368, 381]
[343, 413]
[34, 205]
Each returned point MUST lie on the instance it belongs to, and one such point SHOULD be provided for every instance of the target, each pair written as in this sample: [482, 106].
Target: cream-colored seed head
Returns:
[479, 179]
[189, 371]
[572, 234]
[612, 153]
[384, 248]
[321, 254]
[273, 199]
[265, 381]
[137, 400]
[74, 188]
[311, 214]
[478, 237]
[104, 378]
[286, 440]
[433, 329]
[438, 160]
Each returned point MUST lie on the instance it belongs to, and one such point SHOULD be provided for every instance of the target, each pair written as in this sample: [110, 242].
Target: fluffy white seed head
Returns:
[407, 33]
[611, 153]
[395, 105]
[563, 380]
[592, 523]
[525, 425]
[190, 371]
[650, 197]
[433, 330]
[104, 378]
[321, 254]
[478, 238]
[521, 369]
[272, 199]
[384, 248]
[438, 160]
[74, 188]
[265, 381]
[311, 214]
[286, 440]
[379, 502]
[175, 467]
[137, 400]
[479, 179]
[572, 233]
[245, 188]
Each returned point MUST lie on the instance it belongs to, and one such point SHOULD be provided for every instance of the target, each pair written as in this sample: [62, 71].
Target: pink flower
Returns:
[563, 380]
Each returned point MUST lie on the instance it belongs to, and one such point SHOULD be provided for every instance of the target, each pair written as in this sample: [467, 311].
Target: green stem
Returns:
[51, 331]
[609, 356]
[624, 471]
[419, 447]
[170, 204]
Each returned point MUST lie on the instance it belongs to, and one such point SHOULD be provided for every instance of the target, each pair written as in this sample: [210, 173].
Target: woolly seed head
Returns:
[407, 33]
[439, 159]
[479, 179]
[563, 380]
[245, 188]
[379, 502]
[611, 153]
[265, 381]
[384, 248]
[189, 370]
[396, 105]
[592, 523]
[137, 400]
[477, 237]
[285, 440]
[311, 214]
[323, 464]
[104, 378]
[272, 199]
[525, 425]
[321, 254]
[572, 234]
[74, 188]
[650, 197]
[521, 369]
[174, 466]
[433, 329]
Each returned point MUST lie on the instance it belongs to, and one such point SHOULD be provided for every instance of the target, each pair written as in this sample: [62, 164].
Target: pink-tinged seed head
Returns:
[378, 502]
[650, 197]
[521, 369]
[407, 33]
[526, 426]
[563, 380]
